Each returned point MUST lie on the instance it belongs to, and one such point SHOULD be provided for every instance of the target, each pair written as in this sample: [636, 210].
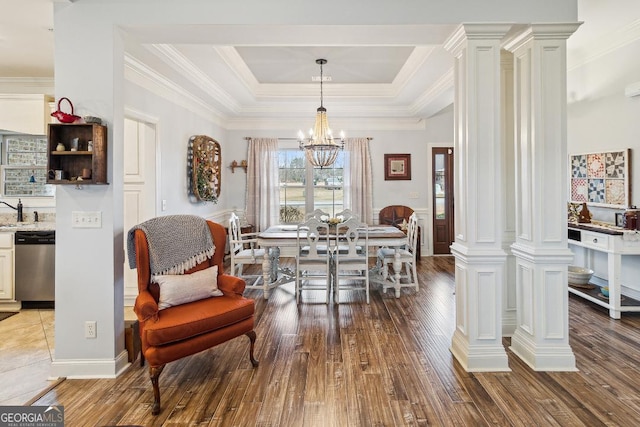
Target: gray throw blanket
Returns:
[176, 243]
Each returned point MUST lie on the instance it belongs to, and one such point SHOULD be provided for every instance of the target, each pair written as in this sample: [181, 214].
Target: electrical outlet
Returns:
[90, 330]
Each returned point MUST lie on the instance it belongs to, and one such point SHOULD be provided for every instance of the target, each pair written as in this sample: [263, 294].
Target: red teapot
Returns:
[62, 116]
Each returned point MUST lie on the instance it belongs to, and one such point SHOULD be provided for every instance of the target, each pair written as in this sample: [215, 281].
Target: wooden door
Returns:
[139, 201]
[442, 179]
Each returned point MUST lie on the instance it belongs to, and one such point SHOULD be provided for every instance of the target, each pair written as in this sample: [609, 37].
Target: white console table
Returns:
[615, 243]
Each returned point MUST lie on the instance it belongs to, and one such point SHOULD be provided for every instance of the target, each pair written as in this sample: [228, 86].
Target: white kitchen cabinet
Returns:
[29, 113]
[6, 267]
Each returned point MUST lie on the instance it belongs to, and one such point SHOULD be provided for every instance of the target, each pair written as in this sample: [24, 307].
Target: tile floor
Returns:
[26, 351]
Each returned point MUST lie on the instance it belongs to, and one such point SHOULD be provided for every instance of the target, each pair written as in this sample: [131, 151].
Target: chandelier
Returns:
[320, 147]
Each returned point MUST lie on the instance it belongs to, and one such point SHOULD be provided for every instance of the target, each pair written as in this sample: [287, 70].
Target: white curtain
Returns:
[358, 193]
[263, 191]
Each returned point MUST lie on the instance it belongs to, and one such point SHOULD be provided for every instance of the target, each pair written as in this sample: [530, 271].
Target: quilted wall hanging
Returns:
[601, 179]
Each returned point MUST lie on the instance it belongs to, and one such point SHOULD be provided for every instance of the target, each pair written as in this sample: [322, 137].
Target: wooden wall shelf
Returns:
[73, 163]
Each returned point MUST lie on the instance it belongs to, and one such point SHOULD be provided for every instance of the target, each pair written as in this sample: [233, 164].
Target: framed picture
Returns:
[397, 166]
[601, 179]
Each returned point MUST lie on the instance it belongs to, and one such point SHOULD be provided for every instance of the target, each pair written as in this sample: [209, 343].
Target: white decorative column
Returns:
[480, 257]
[541, 338]
[509, 306]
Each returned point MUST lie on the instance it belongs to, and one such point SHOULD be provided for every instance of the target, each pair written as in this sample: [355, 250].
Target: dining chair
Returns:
[350, 258]
[407, 256]
[313, 258]
[347, 214]
[398, 216]
[319, 214]
[244, 251]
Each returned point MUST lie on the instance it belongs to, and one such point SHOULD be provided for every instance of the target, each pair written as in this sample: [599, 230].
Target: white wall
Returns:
[174, 126]
[601, 118]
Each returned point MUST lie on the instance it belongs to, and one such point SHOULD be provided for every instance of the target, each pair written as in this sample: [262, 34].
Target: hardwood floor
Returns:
[387, 363]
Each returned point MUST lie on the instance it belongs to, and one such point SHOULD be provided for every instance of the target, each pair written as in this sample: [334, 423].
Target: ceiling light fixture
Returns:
[320, 147]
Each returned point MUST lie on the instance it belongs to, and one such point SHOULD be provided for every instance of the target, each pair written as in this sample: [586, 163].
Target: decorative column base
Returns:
[481, 358]
[477, 341]
[559, 358]
[541, 339]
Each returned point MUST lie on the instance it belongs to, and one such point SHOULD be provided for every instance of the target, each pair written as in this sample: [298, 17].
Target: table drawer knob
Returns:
[595, 240]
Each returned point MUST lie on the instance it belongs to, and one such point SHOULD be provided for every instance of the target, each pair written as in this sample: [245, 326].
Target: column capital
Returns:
[547, 31]
[473, 31]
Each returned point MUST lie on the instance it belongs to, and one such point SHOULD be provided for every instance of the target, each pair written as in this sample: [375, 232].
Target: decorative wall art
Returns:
[601, 179]
[397, 167]
[204, 160]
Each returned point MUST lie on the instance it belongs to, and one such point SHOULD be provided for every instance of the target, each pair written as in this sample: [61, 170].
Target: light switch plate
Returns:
[413, 195]
[84, 219]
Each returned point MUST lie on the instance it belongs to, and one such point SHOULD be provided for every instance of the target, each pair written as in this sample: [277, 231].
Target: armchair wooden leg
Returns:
[252, 338]
[154, 373]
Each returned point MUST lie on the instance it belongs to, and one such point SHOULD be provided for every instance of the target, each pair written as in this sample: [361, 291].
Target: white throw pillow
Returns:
[183, 288]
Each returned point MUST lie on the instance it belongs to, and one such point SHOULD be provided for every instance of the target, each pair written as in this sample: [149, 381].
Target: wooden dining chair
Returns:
[313, 258]
[407, 257]
[351, 258]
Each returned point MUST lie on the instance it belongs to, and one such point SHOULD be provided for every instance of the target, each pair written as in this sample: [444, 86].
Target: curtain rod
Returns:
[248, 138]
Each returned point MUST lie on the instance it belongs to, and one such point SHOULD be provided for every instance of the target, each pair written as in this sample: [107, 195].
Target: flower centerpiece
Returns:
[332, 221]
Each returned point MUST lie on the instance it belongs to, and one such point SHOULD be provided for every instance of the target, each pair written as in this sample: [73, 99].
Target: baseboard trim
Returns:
[90, 368]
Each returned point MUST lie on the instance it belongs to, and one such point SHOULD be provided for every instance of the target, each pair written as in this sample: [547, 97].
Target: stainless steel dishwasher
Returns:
[35, 268]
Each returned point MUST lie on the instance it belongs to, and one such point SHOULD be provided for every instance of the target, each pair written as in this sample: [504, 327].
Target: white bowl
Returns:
[579, 275]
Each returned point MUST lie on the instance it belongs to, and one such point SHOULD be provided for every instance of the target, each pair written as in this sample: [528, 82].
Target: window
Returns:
[304, 188]
[24, 170]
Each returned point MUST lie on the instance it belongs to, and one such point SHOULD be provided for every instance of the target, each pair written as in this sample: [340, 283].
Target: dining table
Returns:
[286, 235]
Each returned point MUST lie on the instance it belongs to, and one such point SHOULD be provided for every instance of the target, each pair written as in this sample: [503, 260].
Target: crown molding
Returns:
[444, 83]
[180, 63]
[138, 73]
[234, 61]
[417, 58]
[335, 90]
[44, 85]
[264, 117]
[370, 124]
[603, 45]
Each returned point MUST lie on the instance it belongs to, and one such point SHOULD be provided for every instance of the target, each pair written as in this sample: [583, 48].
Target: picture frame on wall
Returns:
[397, 167]
[601, 178]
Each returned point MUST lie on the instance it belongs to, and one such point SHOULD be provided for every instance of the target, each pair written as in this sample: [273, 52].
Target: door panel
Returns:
[139, 188]
[442, 179]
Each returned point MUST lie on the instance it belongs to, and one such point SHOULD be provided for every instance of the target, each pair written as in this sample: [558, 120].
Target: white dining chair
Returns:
[346, 214]
[350, 258]
[244, 251]
[407, 256]
[313, 258]
[319, 214]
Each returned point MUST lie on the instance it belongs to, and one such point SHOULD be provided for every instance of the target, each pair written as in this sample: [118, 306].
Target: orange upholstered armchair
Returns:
[183, 329]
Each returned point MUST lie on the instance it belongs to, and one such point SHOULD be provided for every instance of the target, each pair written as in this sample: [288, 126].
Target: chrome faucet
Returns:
[18, 208]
